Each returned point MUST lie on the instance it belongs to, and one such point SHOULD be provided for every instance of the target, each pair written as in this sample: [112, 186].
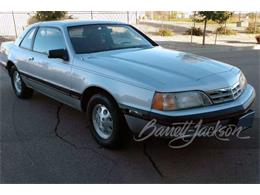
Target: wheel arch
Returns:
[92, 90]
[9, 65]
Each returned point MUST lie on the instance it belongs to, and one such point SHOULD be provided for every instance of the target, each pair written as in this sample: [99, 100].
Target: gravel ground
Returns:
[181, 41]
[6, 38]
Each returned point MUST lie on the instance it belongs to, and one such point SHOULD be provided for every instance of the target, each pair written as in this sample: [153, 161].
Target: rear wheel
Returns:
[19, 87]
[106, 121]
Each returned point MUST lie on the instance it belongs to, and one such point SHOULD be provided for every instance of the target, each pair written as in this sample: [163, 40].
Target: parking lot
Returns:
[43, 141]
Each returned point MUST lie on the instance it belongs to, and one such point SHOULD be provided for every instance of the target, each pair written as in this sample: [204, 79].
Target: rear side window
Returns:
[28, 39]
[48, 39]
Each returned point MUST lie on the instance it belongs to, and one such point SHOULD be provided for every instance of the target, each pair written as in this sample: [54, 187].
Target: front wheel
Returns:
[106, 121]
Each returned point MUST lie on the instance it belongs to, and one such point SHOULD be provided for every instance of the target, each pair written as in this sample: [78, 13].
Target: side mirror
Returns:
[59, 53]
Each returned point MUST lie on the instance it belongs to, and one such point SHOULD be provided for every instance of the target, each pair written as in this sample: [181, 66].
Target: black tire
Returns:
[118, 121]
[24, 92]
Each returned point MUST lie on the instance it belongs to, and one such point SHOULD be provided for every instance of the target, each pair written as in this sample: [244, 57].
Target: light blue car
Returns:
[121, 78]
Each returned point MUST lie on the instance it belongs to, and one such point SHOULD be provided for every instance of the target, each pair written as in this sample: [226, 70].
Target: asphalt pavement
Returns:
[43, 141]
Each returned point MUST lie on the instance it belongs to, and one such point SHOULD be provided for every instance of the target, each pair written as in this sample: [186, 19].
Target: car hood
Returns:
[161, 69]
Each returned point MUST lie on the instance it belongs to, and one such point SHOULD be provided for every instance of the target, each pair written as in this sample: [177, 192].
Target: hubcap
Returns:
[102, 121]
[17, 82]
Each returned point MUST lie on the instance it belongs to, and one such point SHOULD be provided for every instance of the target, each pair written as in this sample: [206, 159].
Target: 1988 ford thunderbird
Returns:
[121, 78]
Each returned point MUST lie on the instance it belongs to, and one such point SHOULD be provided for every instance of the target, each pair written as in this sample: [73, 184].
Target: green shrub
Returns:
[165, 32]
[48, 16]
[251, 29]
[195, 31]
[225, 31]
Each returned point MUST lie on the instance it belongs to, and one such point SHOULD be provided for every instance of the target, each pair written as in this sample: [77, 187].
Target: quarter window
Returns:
[27, 41]
[48, 39]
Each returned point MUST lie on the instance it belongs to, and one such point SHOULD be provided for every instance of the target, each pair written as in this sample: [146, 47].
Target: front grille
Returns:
[224, 95]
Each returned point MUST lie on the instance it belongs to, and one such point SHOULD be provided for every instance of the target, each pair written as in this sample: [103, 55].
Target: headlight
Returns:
[180, 100]
[242, 81]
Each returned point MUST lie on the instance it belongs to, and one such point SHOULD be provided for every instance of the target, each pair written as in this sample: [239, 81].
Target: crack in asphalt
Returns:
[57, 125]
[62, 138]
[155, 166]
[149, 157]
[56, 128]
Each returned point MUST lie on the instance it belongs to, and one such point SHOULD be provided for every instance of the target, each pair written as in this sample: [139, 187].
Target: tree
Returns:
[48, 16]
[217, 16]
[221, 18]
[173, 15]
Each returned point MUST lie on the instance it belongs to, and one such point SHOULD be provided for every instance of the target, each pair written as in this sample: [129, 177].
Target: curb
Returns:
[257, 46]
[212, 50]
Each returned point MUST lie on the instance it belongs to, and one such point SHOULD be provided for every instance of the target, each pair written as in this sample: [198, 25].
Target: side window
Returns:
[27, 41]
[48, 39]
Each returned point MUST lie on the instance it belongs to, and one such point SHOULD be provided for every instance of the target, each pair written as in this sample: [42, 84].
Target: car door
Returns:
[24, 53]
[51, 76]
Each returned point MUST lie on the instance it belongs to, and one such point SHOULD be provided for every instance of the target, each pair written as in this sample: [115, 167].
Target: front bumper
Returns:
[230, 112]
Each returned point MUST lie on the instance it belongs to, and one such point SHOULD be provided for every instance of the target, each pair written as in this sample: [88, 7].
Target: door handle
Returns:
[31, 58]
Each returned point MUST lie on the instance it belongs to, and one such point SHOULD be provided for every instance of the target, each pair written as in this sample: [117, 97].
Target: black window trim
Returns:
[153, 43]
[35, 32]
[48, 27]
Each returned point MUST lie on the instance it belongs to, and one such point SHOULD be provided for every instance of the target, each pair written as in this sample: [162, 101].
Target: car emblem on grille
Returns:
[226, 94]
[224, 90]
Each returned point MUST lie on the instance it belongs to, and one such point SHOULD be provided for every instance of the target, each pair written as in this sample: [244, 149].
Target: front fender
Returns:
[124, 93]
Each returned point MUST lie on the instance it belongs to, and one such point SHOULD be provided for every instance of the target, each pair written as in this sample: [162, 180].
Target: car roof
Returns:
[68, 23]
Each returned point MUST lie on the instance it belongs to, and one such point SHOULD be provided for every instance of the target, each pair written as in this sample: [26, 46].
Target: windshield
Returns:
[104, 37]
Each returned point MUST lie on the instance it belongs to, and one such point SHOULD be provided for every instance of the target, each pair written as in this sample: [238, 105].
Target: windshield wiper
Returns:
[119, 48]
